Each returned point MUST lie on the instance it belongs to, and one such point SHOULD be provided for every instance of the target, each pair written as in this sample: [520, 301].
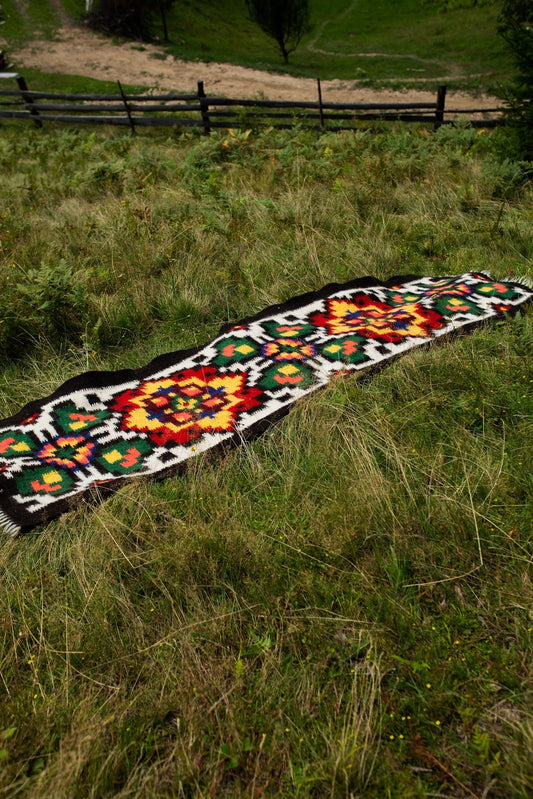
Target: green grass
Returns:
[342, 607]
[32, 19]
[39, 81]
[419, 40]
[416, 39]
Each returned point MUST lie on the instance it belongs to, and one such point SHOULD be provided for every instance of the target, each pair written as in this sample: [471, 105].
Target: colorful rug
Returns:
[102, 427]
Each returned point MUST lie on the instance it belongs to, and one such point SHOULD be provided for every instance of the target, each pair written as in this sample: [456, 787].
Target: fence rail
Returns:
[211, 111]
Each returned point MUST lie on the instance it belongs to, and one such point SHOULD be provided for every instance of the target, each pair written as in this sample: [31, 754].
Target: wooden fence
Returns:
[207, 112]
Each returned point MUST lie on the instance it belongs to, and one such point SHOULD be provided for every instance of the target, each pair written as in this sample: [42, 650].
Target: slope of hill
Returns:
[406, 42]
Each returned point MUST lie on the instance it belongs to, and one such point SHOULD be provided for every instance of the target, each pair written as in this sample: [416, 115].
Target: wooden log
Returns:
[214, 101]
[10, 93]
[215, 111]
[141, 98]
[71, 108]
[90, 108]
[171, 107]
[14, 114]
[104, 97]
[175, 107]
[223, 101]
[219, 123]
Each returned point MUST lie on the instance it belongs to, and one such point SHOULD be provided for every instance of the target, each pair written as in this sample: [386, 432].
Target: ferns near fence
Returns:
[208, 112]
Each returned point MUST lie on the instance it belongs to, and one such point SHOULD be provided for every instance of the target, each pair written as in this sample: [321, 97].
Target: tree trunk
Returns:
[164, 21]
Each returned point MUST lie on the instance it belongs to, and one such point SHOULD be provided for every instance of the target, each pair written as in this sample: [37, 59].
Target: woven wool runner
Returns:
[102, 427]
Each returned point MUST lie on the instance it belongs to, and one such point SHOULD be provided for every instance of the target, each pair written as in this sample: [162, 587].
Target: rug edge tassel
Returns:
[8, 526]
[521, 280]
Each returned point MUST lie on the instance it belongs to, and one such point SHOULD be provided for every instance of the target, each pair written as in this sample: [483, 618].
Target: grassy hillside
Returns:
[343, 607]
[405, 40]
[22, 21]
[370, 40]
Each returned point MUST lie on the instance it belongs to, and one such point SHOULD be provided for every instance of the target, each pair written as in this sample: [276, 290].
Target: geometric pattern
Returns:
[102, 427]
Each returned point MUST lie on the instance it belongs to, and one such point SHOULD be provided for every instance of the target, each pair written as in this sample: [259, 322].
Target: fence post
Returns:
[28, 100]
[204, 108]
[320, 102]
[439, 109]
[132, 126]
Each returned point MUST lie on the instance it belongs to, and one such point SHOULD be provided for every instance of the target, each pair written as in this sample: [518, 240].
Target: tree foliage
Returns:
[132, 18]
[516, 27]
[285, 21]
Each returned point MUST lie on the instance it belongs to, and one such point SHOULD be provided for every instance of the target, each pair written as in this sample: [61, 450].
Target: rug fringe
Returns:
[8, 526]
[523, 281]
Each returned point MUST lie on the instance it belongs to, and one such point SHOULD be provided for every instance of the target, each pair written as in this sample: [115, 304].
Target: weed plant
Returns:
[341, 607]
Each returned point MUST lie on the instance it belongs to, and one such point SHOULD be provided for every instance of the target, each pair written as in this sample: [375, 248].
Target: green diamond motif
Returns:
[44, 480]
[501, 290]
[14, 444]
[73, 420]
[235, 349]
[287, 375]
[286, 330]
[347, 349]
[401, 298]
[124, 457]
[450, 304]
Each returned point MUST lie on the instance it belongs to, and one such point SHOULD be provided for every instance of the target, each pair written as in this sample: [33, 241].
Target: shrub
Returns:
[516, 27]
[48, 302]
[124, 17]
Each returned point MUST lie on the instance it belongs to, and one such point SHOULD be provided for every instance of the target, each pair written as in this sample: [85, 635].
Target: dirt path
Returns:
[80, 51]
